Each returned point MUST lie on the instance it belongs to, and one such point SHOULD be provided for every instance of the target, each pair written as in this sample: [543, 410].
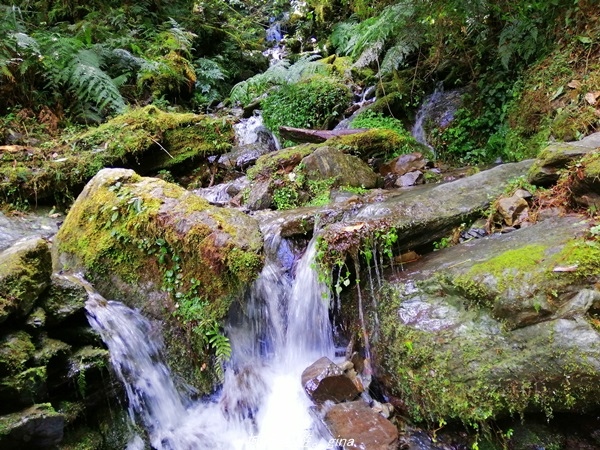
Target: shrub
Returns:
[314, 103]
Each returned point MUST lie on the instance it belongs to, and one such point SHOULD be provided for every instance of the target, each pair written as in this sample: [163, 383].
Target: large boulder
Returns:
[496, 326]
[160, 248]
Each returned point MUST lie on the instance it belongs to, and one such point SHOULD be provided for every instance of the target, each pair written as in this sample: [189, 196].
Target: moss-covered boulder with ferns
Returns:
[145, 139]
[165, 250]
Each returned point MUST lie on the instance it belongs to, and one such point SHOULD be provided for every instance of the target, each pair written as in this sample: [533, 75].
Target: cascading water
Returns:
[439, 109]
[284, 328]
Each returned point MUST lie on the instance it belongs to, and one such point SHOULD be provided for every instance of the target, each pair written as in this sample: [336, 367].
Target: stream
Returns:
[283, 328]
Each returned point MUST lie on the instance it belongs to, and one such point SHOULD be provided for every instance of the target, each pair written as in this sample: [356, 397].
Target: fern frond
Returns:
[405, 44]
[182, 37]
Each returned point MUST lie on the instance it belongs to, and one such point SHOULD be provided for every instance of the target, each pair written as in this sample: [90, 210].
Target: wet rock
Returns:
[260, 196]
[24, 274]
[37, 427]
[421, 216]
[355, 425]
[64, 298]
[347, 170]
[323, 380]
[25, 388]
[500, 317]
[14, 228]
[403, 164]
[48, 349]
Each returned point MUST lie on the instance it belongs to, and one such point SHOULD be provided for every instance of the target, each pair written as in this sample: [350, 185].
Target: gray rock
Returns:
[24, 274]
[65, 298]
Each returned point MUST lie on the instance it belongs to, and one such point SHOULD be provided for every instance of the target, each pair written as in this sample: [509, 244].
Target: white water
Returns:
[284, 328]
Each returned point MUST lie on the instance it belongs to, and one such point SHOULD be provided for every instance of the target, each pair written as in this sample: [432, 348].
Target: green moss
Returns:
[146, 138]
[508, 269]
[26, 387]
[378, 142]
[16, 349]
[284, 160]
[583, 255]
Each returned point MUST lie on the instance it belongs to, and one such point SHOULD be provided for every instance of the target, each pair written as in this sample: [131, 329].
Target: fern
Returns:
[221, 346]
[391, 35]
[208, 76]
[78, 69]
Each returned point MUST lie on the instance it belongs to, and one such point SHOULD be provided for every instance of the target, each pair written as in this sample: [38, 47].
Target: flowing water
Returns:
[284, 328]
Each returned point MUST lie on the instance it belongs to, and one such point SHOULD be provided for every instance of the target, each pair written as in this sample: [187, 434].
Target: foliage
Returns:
[371, 119]
[313, 103]
[279, 74]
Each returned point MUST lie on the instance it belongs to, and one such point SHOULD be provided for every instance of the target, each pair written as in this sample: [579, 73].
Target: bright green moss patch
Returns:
[15, 350]
[582, 256]
[378, 142]
[282, 161]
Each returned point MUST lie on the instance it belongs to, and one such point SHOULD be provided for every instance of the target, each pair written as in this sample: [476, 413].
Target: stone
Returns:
[24, 274]
[260, 196]
[39, 426]
[37, 318]
[355, 425]
[324, 380]
[558, 156]
[347, 170]
[511, 209]
[16, 349]
[403, 164]
[65, 298]
[23, 389]
[410, 179]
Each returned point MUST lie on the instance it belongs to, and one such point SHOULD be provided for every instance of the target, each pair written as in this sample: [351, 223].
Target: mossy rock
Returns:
[377, 142]
[24, 388]
[158, 247]
[39, 426]
[24, 274]
[449, 353]
[280, 162]
[63, 299]
[146, 139]
[346, 170]
[554, 159]
[16, 349]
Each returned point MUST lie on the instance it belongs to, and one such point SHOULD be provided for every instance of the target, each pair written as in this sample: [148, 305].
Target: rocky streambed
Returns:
[493, 328]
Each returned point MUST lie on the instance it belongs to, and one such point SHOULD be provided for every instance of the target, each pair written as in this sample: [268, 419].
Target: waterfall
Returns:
[283, 328]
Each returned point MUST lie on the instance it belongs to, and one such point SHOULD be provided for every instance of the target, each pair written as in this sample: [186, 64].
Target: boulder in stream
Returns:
[155, 246]
[496, 326]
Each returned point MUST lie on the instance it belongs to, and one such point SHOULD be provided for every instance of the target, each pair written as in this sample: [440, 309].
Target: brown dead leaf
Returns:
[574, 84]
[353, 227]
[572, 268]
[592, 97]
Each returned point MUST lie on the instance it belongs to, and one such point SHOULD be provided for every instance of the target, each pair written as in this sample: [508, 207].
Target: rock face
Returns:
[41, 358]
[155, 246]
[324, 380]
[506, 325]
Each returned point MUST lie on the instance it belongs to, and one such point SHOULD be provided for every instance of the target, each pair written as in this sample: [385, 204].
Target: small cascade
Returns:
[252, 130]
[283, 328]
[361, 101]
[437, 111]
[274, 36]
